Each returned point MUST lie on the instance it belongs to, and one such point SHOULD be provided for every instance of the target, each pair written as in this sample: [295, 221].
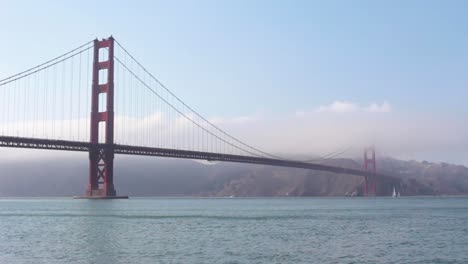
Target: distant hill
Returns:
[427, 178]
[137, 176]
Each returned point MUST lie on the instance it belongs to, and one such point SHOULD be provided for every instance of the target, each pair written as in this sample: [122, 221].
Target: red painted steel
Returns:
[101, 156]
[370, 181]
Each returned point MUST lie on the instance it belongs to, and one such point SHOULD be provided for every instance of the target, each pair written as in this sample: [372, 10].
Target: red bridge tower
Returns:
[101, 154]
[370, 182]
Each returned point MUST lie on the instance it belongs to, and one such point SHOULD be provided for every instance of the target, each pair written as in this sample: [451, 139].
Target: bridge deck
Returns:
[33, 143]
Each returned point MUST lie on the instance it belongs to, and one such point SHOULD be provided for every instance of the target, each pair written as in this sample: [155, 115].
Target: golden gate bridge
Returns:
[132, 113]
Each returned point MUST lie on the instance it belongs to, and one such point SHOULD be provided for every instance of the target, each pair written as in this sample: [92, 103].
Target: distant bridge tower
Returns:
[370, 182]
[101, 154]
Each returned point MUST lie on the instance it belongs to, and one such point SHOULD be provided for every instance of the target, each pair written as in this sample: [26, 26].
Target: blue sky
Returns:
[276, 58]
[273, 56]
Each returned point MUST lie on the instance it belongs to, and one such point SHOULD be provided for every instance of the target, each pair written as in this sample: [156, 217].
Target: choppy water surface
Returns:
[322, 230]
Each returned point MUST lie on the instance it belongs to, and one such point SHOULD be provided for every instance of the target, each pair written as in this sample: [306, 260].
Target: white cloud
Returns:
[301, 113]
[327, 128]
[217, 120]
[339, 107]
[351, 107]
[408, 136]
[385, 107]
[399, 135]
[242, 119]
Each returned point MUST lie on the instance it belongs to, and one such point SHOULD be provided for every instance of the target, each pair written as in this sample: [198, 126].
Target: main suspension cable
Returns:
[188, 107]
[47, 62]
[40, 68]
[178, 111]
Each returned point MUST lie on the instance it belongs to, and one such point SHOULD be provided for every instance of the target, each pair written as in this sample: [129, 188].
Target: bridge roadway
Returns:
[66, 145]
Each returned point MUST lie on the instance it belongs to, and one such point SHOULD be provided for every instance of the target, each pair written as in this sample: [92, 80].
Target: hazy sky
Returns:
[393, 73]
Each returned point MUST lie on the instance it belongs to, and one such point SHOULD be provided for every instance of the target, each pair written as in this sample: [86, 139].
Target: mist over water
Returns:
[292, 230]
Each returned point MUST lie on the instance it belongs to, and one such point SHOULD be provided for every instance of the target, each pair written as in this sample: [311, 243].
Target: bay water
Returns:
[234, 230]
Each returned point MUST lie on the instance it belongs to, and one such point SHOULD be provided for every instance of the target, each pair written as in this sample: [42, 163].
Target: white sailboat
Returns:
[394, 193]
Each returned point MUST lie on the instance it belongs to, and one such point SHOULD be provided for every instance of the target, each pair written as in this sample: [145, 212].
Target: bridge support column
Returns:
[101, 155]
[370, 182]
